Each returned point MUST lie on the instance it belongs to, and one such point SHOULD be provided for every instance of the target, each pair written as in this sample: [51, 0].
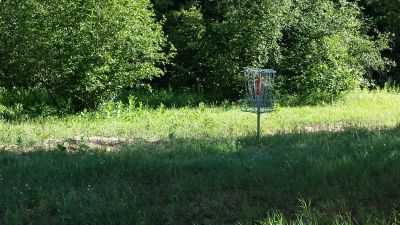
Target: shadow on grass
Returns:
[321, 177]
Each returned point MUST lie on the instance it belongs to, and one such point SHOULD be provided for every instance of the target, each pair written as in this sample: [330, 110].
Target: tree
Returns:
[79, 51]
[326, 52]
[385, 15]
[215, 40]
[320, 48]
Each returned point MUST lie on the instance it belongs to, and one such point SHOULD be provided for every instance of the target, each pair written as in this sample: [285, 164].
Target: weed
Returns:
[131, 103]
[202, 107]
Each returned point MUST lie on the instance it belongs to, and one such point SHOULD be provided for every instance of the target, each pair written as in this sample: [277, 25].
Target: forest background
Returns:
[68, 56]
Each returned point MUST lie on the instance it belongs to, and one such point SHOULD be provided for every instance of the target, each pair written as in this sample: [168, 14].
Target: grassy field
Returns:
[128, 164]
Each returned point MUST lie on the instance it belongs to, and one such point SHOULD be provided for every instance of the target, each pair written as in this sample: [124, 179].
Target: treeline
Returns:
[320, 48]
[385, 17]
[75, 54]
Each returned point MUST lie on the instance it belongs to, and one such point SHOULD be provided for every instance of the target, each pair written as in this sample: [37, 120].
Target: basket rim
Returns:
[257, 70]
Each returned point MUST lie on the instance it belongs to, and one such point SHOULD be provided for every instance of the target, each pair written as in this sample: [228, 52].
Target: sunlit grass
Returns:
[332, 164]
[359, 109]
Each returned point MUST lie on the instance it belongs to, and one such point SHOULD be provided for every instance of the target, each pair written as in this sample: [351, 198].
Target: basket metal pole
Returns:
[258, 99]
[258, 121]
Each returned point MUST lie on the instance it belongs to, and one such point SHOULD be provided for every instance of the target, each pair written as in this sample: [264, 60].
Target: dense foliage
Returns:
[385, 16]
[78, 51]
[325, 52]
[320, 48]
[215, 40]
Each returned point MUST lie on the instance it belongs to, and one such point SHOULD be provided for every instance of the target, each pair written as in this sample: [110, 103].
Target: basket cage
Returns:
[259, 90]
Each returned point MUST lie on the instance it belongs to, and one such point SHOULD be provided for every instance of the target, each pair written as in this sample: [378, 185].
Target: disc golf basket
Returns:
[259, 88]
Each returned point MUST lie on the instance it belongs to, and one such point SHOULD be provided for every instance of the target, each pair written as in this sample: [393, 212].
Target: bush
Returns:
[325, 52]
[216, 40]
[78, 51]
[186, 30]
[319, 48]
[385, 17]
[245, 35]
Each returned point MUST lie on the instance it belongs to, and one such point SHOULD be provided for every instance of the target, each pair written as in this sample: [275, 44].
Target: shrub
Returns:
[245, 35]
[325, 52]
[216, 40]
[186, 30]
[319, 48]
[78, 51]
[385, 17]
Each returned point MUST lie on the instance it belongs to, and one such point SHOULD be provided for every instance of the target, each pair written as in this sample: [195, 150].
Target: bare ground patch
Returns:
[324, 127]
[102, 142]
[81, 142]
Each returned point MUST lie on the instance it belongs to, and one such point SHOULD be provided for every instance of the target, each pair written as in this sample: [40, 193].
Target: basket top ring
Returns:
[256, 70]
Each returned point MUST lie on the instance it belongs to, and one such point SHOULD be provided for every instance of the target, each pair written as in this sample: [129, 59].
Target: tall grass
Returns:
[135, 120]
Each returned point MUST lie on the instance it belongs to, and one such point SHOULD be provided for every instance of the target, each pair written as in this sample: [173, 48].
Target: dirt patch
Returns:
[324, 127]
[338, 127]
[80, 142]
[102, 142]
[91, 142]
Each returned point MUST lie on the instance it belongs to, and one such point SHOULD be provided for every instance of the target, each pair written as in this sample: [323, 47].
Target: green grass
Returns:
[359, 109]
[203, 166]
